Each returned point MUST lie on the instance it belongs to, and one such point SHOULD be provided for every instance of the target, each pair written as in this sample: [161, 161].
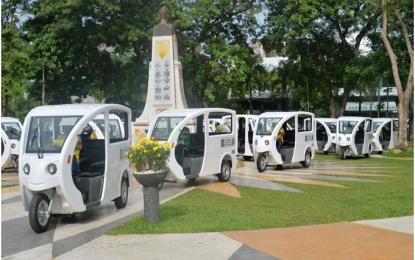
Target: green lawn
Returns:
[204, 211]
[6, 186]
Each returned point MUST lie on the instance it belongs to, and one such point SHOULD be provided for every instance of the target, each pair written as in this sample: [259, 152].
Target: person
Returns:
[380, 135]
[280, 137]
[184, 137]
[75, 159]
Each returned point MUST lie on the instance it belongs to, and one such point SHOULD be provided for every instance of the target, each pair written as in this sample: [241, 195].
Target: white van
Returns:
[298, 145]
[326, 131]
[12, 129]
[48, 182]
[354, 136]
[385, 134]
[204, 152]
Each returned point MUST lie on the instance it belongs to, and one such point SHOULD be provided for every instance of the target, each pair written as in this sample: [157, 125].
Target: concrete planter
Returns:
[150, 182]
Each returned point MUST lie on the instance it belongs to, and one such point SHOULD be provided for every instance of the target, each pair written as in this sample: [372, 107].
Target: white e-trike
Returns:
[298, 145]
[326, 129]
[246, 128]
[385, 134]
[354, 136]
[10, 147]
[48, 183]
[203, 152]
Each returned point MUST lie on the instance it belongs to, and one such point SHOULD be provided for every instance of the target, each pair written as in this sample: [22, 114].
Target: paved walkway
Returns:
[82, 236]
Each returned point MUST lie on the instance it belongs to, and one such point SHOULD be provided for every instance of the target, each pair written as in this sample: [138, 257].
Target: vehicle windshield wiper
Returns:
[35, 134]
[40, 147]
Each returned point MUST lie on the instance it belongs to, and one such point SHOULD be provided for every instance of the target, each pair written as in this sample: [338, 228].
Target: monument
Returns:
[165, 81]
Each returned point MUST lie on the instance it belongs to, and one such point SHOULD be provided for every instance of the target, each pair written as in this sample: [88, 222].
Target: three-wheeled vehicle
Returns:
[246, 128]
[48, 182]
[326, 129]
[385, 134]
[201, 152]
[298, 144]
[12, 129]
[354, 136]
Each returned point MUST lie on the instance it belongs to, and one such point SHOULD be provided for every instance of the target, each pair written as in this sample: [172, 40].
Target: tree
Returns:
[213, 48]
[404, 95]
[15, 62]
[330, 31]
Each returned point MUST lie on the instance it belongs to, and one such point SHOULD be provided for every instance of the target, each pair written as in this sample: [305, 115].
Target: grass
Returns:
[204, 211]
[7, 186]
[403, 154]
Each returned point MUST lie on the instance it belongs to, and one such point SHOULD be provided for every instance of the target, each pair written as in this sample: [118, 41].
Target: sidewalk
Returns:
[370, 239]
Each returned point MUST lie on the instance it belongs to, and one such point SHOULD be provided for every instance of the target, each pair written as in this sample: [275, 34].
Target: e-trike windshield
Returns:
[164, 127]
[265, 126]
[332, 126]
[49, 133]
[7, 128]
[346, 127]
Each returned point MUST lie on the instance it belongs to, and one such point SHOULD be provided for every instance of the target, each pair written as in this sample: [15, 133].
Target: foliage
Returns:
[320, 39]
[149, 155]
[15, 61]
[222, 128]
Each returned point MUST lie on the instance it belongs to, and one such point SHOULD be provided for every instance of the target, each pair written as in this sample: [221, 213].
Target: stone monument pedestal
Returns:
[165, 81]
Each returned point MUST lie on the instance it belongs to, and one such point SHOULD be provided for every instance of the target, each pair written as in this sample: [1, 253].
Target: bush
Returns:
[403, 147]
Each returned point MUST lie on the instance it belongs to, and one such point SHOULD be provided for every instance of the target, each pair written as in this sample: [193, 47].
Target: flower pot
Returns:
[150, 182]
[151, 179]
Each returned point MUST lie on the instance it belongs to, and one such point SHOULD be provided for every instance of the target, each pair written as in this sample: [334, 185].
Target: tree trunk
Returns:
[404, 96]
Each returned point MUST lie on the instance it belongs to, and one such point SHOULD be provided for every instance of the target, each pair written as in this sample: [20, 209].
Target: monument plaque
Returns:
[165, 83]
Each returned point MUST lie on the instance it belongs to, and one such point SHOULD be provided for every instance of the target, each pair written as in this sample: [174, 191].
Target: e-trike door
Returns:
[220, 143]
[367, 147]
[116, 162]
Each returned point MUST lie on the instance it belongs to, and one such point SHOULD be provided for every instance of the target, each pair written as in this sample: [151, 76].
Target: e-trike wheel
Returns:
[225, 171]
[121, 201]
[247, 158]
[343, 152]
[307, 160]
[261, 162]
[39, 215]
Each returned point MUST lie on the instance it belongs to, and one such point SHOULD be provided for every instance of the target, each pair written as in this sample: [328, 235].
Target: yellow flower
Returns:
[158, 155]
[155, 148]
[169, 146]
[131, 155]
[126, 153]
[145, 151]
[152, 138]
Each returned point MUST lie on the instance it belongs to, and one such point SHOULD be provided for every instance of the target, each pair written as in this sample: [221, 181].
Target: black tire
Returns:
[380, 152]
[307, 160]
[261, 162]
[343, 152]
[326, 152]
[247, 158]
[121, 201]
[39, 216]
[225, 171]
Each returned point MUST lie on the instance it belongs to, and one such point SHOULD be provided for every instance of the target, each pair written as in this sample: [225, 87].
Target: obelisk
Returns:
[165, 81]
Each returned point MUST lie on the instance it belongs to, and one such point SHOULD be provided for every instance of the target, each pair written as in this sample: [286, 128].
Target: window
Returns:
[267, 125]
[118, 126]
[49, 133]
[220, 123]
[346, 127]
[369, 126]
[305, 123]
[11, 134]
[164, 127]
[376, 125]
[332, 126]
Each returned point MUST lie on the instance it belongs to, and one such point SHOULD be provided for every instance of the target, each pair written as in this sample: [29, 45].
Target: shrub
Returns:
[149, 155]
